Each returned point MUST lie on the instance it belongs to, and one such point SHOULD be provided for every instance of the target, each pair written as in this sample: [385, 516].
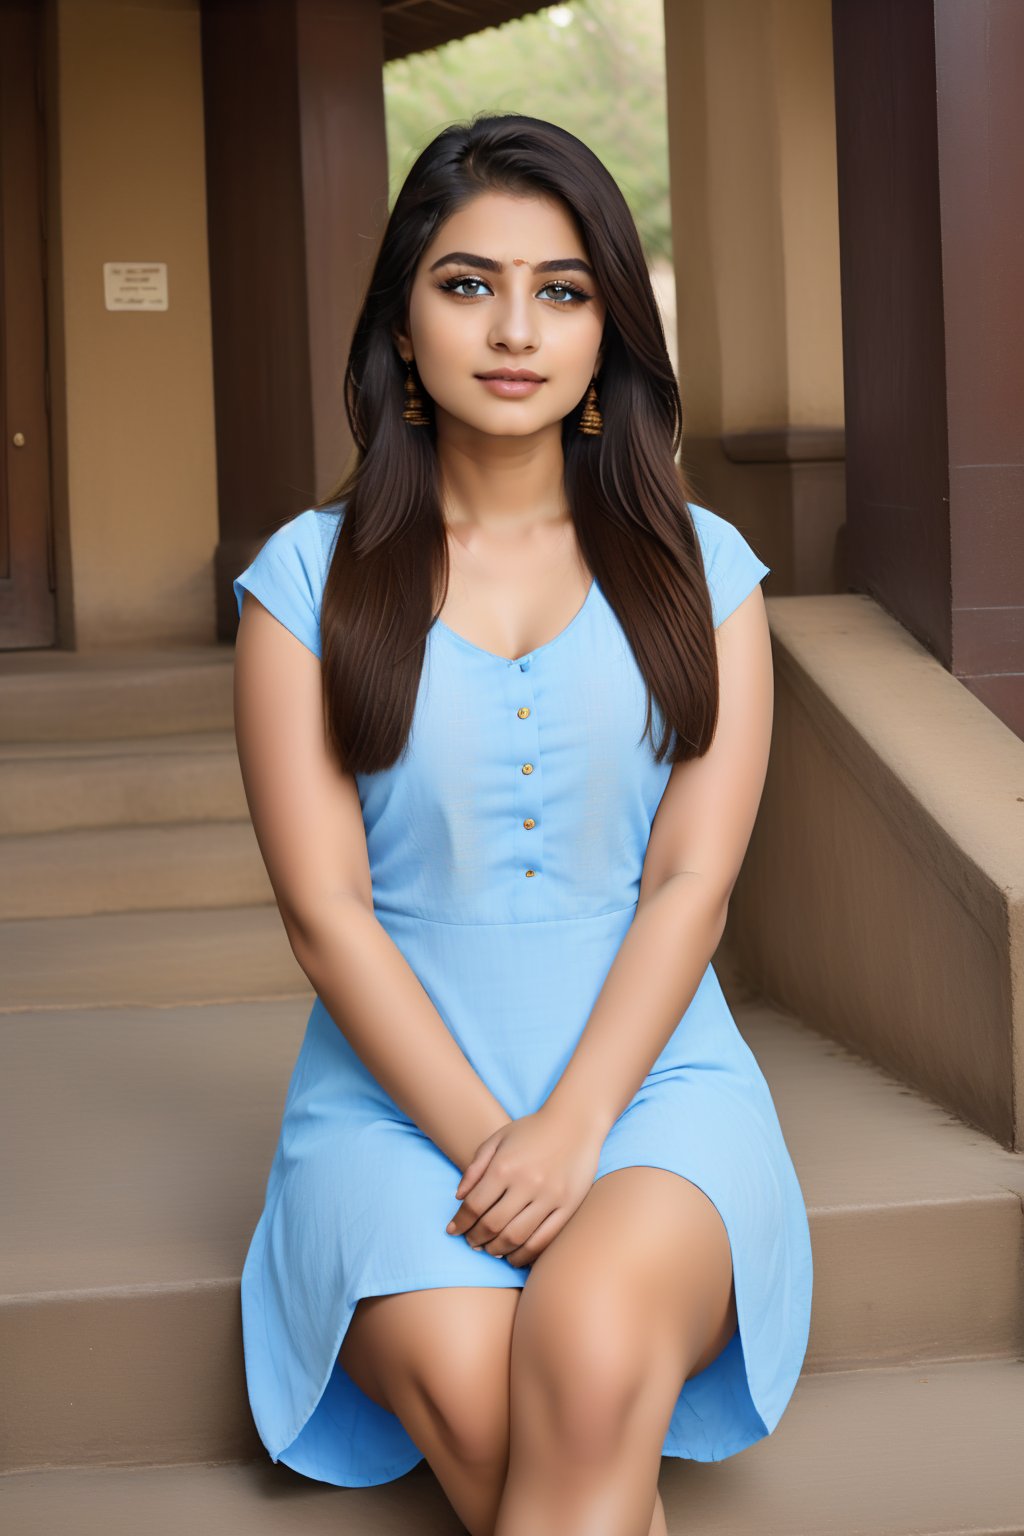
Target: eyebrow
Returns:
[561, 264]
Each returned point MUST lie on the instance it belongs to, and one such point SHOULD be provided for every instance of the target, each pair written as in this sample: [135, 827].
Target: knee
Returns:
[582, 1381]
[469, 1414]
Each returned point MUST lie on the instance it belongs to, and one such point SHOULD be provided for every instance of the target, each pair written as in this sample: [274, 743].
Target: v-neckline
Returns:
[513, 660]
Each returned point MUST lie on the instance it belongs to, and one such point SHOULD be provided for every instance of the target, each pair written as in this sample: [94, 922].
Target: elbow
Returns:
[704, 896]
[715, 902]
[299, 934]
[713, 891]
[721, 918]
[313, 927]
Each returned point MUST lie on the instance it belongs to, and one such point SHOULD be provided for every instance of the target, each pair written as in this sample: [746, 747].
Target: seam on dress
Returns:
[514, 922]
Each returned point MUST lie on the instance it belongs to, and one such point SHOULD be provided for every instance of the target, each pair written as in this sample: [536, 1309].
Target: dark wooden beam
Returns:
[930, 144]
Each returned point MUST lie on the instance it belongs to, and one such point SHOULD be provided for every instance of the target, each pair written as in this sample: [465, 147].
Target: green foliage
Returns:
[602, 77]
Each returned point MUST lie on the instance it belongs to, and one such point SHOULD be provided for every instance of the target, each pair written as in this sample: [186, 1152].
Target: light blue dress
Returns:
[358, 1197]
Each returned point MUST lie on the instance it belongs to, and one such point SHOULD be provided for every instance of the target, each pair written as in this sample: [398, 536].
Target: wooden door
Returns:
[28, 616]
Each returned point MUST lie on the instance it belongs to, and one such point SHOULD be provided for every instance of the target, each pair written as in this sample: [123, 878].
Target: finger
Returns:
[517, 1230]
[476, 1204]
[469, 1178]
[534, 1245]
[488, 1231]
[481, 1157]
[472, 1176]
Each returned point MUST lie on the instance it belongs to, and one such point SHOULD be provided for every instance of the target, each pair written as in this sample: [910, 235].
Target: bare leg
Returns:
[631, 1298]
[392, 1350]
[439, 1360]
[659, 1525]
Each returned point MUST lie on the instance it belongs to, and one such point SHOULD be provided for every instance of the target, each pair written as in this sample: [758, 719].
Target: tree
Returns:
[595, 67]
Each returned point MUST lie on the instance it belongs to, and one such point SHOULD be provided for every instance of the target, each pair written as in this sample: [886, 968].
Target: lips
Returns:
[512, 373]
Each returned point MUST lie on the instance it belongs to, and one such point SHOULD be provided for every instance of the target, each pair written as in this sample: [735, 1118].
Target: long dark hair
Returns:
[388, 576]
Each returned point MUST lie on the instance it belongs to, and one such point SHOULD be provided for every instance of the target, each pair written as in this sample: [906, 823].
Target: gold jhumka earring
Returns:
[591, 422]
[413, 411]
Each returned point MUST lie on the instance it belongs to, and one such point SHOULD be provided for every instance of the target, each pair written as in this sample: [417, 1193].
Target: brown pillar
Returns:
[296, 163]
[930, 141]
[751, 126]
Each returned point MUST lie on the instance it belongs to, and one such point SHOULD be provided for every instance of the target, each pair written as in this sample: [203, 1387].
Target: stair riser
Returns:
[94, 705]
[159, 1375]
[155, 1376]
[55, 794]
[146, 959]
[932, 1281]
[79, 874]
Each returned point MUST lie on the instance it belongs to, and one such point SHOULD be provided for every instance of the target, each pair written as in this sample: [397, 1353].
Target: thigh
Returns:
[443, 1351]
[644, 1266]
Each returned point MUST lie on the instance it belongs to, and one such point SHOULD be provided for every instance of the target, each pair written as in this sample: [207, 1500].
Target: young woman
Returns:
[503, 709]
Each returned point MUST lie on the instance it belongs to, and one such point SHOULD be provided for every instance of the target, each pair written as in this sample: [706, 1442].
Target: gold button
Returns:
[527, 767]
[529, 822]
[531, 871]
[522, 713]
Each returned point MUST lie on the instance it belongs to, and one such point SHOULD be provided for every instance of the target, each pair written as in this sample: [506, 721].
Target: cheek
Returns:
[579, 355]
[445, 333]
[580, 338]
[595, 331]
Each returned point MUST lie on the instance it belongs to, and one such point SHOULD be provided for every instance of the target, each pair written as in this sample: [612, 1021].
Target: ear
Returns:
[403, 344]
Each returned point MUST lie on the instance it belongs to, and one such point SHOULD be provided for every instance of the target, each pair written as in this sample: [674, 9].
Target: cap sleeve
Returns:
[288, 578]
[731, 566]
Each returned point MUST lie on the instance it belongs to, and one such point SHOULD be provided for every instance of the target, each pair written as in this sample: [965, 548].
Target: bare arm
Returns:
[696, 849]
[308, 821]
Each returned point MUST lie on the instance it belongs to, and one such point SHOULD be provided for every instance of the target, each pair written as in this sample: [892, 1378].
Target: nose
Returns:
[514, 317]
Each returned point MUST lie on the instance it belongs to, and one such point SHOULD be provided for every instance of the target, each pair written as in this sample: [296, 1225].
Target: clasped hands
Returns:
[524, 1182]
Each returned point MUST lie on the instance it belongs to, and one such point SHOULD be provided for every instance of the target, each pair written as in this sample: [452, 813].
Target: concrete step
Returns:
[55, 786]
[175, 865]
[931, 1451]
[57, 696]
[143, 959]
[140, 1140]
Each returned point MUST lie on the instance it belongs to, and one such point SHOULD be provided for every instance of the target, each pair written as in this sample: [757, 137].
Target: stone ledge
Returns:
[882, 891]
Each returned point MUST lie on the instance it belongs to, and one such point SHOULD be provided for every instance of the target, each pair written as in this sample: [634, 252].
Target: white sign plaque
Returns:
[135, 284]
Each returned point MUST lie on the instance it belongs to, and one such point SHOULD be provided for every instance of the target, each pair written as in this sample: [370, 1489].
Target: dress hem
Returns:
[382, 1288]
[399, 1469]
[511, 1279]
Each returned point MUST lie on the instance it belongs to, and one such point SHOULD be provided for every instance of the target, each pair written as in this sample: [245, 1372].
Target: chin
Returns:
[501, 423]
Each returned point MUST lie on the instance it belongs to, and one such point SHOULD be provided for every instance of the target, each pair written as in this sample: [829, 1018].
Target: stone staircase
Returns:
[150, 1012]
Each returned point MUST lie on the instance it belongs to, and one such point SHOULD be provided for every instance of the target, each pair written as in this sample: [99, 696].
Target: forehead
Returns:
[511, 228]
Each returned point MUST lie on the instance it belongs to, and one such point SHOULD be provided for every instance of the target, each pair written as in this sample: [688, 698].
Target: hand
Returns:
[524, 1182]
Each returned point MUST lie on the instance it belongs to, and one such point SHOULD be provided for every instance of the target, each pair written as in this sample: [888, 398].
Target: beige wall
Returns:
[132, 394]
[755, 213]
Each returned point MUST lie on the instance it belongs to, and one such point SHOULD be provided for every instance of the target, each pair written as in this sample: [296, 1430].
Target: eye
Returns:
[575, 295]
[453, 284]
[568, 293]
